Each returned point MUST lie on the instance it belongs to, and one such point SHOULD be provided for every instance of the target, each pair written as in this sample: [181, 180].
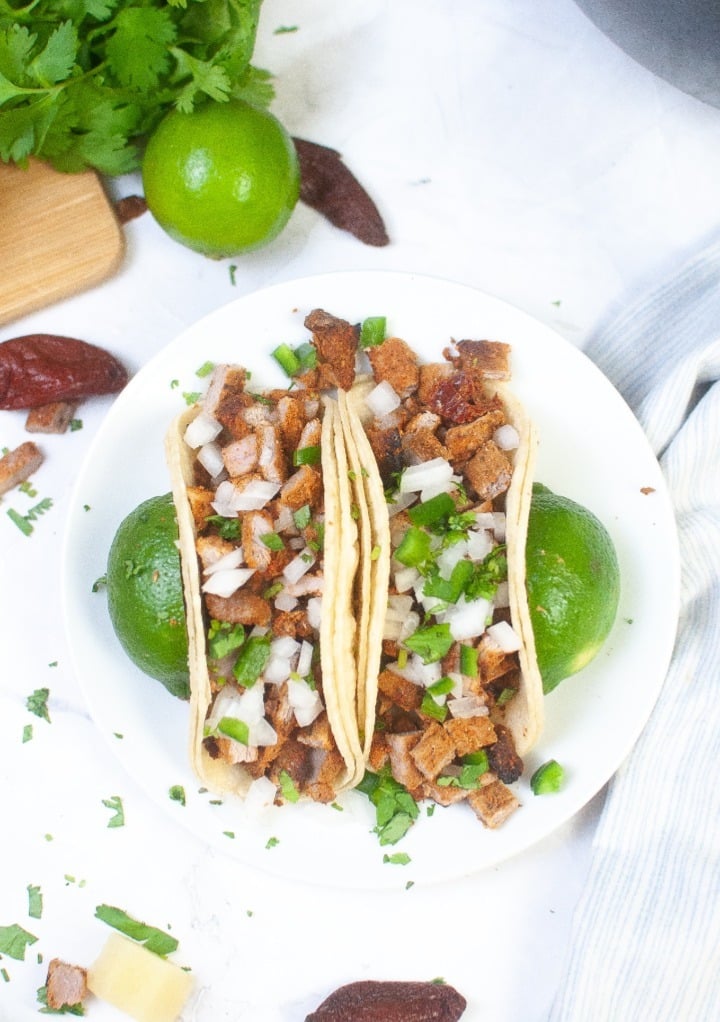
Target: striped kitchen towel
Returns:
[645, 940]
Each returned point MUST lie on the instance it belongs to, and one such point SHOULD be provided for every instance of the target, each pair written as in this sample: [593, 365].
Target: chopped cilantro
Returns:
[397, 858]
[153, 939]
[37, 703]
[224, 638]
[35, 902]
[395, 808]
[27, 733]
[227, 528]
[75, 425]
[273, 541]
[191, 397]
[177, 793]
[114, 803]
[232, 269]
[272, 842]
[431, 643]
[13, 941]
[372, 331]
[301, 517]
[205, 369]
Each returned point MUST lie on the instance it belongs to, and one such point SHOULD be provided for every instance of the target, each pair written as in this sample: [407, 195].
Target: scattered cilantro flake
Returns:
[191, 397]
[75, 425]
[409, 884]
[174, 384]
[397, 858]
[272, 842]
[86, 507]
[229, 833]
[5, 975]
[395, 808]
[27, 733]
[285, 29]
[37, 703]
[21, 521]
[35, 902]
[205, 369]
[114, 803]
[232, 269]
[155, 940]
[27, 488]
[13, 941]
[177, 794]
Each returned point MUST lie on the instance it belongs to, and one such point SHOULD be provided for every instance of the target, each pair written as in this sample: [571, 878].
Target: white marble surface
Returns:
[509, 146]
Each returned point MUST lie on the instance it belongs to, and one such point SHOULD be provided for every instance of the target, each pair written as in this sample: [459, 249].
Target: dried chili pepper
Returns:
[40, 368]
[376, 1001]
[327, 186]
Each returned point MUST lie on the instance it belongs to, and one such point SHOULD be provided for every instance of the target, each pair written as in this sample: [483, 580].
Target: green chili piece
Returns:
[547, 778]
[286, 359]
[414, 547]
[252, 660]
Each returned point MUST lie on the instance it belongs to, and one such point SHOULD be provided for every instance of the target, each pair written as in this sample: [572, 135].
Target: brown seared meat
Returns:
[396, 363]
[66, 985]
[336, 343]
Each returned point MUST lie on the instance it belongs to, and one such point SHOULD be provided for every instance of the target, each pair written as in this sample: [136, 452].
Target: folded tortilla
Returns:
[522, 714]
[321, 766]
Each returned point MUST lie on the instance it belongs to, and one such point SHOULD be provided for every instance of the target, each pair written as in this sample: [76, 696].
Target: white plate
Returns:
[591, 449]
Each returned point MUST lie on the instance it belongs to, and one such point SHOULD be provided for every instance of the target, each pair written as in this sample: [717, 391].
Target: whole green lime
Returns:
[145, 593]
[573, 584]
[223, 179]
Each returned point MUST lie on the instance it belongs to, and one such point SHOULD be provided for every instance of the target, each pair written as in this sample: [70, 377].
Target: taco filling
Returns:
[259, 508]
[453, 697]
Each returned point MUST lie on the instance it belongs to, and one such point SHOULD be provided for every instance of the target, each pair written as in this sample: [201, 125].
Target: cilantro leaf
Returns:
[37, 703]
[13, 941]
[155, 940]
[115, 804]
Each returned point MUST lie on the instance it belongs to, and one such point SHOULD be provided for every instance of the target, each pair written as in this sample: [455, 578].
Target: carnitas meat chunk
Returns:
[66, 985]
[336, 342]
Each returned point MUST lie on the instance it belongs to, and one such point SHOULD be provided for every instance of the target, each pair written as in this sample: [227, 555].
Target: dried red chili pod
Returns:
[378, 1001]
[327, 186]
[40, 368]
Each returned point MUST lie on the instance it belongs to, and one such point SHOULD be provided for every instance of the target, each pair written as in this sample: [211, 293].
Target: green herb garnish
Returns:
[83, 83]
[153, 939]
[431, 643]
[287, 787]
[224, 638]
[372, 331]
[13, 941]
[35, 902]
[307, 456]
[37, 703]
[395, 808]
[115, 804]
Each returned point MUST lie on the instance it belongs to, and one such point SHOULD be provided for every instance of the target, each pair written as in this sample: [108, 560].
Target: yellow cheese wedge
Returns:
[138, 982]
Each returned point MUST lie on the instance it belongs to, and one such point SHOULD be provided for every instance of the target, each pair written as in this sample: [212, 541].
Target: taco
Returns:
[269, 552]
[449, 697]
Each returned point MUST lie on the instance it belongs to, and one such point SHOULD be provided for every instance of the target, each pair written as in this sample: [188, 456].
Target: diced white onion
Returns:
[382, 399]
[405, 578]
[436, 472]
[479, 544]
[285, 646]
[468, 620]
[277, 670]
[409, 625]
[468, 706]
[262, 733]
[255, 495]
[211, 459]
[202, 430]
[299, 565]
[247, 705]
[260, 795]
[485, 520]
[457, 680]
[399, 502]
[417, 671]
[398, 607]
[225, 583]
[504, 635]
[304, 664]
[284, 602]
[507, 437]
[305, 701]
[448, 558]
[502, 595]
[233, 559]
[259, 630]
[314, 611]
[428, 603]
[391, 630]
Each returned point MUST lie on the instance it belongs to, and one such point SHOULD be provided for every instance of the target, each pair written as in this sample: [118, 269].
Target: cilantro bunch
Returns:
[83, 82]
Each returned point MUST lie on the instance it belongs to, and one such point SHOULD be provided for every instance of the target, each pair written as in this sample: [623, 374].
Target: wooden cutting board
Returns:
[58, 235]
